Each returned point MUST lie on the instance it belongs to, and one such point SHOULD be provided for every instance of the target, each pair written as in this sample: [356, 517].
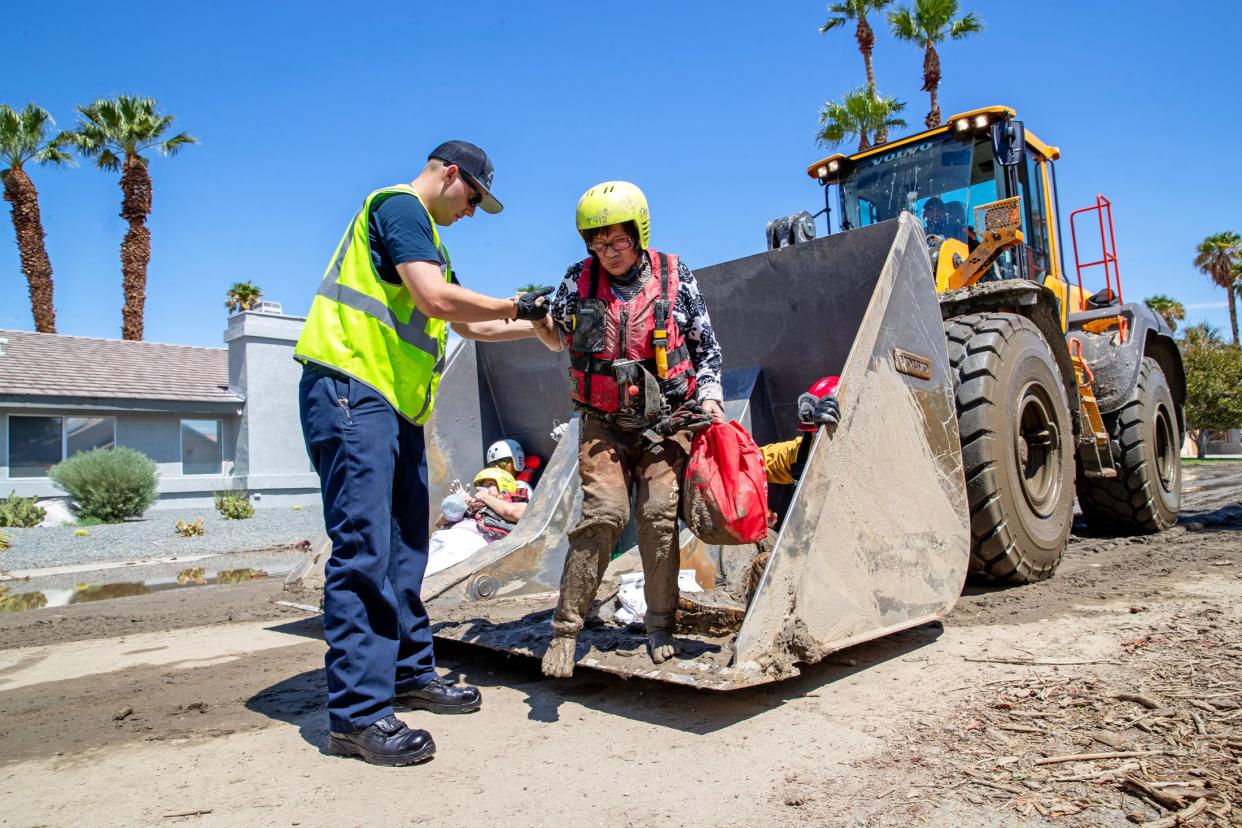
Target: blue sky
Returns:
[302, 108]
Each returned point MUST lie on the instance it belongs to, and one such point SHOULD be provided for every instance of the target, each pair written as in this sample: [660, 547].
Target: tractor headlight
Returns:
[822, 172]
[962, 124]
[981, 121]
[833, 166]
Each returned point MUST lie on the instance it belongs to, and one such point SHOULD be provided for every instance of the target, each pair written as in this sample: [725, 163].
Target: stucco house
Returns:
[211, 418]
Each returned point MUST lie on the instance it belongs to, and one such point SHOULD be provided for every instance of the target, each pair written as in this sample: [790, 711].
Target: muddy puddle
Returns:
[12, 600]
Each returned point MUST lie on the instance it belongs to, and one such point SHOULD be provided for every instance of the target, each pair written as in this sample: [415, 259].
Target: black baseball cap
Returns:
[474, 165]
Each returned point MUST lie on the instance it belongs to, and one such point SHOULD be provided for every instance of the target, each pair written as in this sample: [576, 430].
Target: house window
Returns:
[38, 443]
[34, 445]
[200, 447]
[86, 433]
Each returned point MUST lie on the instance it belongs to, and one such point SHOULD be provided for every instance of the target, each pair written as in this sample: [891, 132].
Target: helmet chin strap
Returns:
[631, 275]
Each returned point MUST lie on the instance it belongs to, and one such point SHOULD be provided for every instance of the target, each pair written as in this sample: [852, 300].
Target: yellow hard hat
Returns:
[503, 480]
[614, 202]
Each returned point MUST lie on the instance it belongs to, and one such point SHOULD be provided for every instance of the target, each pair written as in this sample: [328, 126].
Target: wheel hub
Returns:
[1036, 446]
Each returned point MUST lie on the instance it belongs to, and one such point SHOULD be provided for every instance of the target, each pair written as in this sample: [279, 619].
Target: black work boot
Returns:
[439, 696]
[386, 742]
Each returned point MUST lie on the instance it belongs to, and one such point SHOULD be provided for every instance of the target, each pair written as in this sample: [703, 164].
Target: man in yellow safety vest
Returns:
[372, 349]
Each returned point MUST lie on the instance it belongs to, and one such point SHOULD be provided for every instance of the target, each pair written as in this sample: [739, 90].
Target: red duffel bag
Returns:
[724, 494]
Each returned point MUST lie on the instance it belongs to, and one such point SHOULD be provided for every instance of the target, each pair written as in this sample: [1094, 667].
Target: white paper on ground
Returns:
[634, 602]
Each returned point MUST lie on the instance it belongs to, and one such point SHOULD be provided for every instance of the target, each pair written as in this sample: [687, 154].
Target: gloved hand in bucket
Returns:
[724, 498]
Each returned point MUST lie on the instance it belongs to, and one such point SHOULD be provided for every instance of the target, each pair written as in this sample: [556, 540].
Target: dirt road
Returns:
[205, 707]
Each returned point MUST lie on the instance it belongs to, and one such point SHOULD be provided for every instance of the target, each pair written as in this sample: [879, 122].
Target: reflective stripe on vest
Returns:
[355, 322]
[591, 380]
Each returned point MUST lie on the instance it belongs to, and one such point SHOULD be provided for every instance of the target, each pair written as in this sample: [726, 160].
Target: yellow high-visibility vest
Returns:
[364, 327]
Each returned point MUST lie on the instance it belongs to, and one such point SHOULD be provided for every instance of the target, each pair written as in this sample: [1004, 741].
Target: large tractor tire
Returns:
[1146, 494]
[1017, 446]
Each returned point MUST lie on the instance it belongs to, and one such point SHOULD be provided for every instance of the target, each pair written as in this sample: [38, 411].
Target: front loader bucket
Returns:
[876, 536]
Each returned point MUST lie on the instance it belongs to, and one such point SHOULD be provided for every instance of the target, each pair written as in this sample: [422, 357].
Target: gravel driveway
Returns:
[156, 536]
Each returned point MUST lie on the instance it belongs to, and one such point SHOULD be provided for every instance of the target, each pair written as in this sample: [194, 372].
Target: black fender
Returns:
[1115, 362]
[1025, 298]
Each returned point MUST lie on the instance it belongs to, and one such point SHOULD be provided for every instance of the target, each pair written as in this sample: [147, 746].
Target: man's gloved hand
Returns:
[819, 411]
[533, 305]
[827, 411]
[558, 431]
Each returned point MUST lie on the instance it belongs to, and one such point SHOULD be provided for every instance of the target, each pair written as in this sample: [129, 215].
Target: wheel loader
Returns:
[980, 391]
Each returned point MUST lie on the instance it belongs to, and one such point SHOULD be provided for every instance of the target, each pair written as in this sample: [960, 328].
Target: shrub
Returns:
[189, 530]
[234, 504]
[21, 512]
[110, 484]
[4, 542]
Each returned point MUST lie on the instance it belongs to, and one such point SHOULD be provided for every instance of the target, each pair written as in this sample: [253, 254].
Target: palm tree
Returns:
[243, 296]
[115, 132]
[24, 137]
[859, 115]
[842, 13]
[1217, 255]
[929, 23]
[1168, 307]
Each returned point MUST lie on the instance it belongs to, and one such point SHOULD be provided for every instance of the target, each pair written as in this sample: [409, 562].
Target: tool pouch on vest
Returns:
[589, 326]
[641, 398]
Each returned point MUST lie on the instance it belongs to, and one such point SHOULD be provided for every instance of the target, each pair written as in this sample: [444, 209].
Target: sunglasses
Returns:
[476, 197]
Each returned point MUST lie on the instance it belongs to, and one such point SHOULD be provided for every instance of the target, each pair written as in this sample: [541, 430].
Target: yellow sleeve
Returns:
[778, 460]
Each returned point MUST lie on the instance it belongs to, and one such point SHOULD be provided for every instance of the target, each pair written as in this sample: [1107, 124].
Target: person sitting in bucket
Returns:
[644, 368]
[468, 522]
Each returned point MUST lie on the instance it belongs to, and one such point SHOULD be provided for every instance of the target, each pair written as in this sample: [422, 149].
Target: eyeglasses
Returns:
[620, 245]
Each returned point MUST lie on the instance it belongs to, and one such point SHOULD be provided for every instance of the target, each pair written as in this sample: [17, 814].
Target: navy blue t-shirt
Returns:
[400, 231]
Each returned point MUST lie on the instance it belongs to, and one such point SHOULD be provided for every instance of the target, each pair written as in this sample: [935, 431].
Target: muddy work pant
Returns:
[613, 462]
[373, 471]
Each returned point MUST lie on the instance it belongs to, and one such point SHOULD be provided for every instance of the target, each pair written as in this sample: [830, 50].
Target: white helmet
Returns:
[507, 450]
[523, 486]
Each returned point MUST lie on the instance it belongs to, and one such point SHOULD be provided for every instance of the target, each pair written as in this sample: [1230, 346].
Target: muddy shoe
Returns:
[661, 646]
[558, 661]
[386, 742]
[439, 696]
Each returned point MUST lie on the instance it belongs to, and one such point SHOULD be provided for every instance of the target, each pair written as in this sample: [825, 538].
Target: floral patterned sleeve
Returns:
[691, 314]
[565, 300]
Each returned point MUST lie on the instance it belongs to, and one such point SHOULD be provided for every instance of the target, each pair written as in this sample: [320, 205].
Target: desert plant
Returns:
[929, 23]
[243, 296]
[24, 138]
[189, 529]
[21, 512]
[1216, 256]
[116, 132]
[80, 533]
[110, 484]
[234, 504]
[1168, 307]
[4, 542]
[859, 114]
[841, 14]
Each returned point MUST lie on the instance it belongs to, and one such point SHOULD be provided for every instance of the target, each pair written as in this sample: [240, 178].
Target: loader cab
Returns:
[943, 177]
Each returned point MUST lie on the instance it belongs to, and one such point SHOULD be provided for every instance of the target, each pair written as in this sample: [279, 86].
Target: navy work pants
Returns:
[373, 472]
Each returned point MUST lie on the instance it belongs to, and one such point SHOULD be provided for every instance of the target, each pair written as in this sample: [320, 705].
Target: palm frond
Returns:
[173, 145]
[24, 136]
[125, 126]
[968, 24]
[904, 26]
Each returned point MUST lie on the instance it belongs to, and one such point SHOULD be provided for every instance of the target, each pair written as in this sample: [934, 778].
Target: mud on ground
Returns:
[205, 706]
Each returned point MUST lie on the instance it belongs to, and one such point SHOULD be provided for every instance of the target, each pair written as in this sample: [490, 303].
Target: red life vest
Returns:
[629, 333]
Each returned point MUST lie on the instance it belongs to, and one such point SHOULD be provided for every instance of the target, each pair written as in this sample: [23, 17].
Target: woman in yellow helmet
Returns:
[644, 366]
